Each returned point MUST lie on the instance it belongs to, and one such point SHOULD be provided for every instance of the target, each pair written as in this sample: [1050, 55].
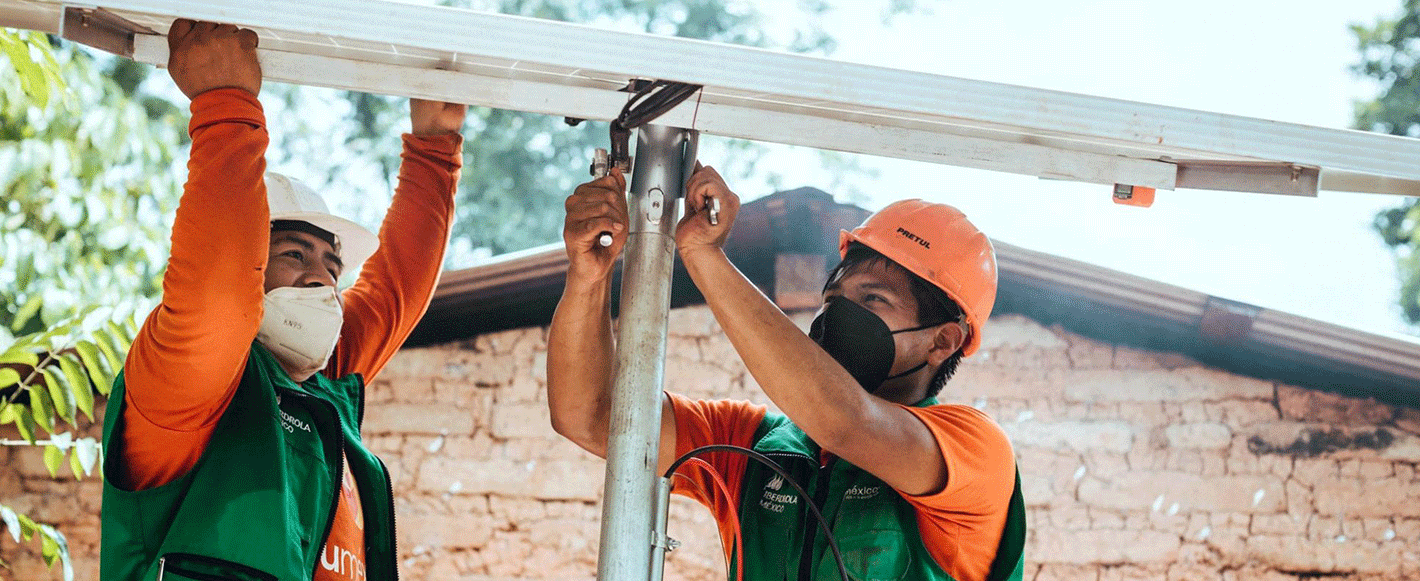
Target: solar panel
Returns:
[571, 70]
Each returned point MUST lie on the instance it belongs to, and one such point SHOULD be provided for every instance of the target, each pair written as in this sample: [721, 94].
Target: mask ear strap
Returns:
[920, 365]
[907, 373]
[919, 328]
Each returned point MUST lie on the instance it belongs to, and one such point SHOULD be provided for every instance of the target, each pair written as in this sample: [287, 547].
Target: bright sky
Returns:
[1316, 257]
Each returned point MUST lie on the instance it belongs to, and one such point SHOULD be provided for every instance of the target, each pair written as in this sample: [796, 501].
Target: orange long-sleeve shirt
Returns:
[960, 525]
[187, 359]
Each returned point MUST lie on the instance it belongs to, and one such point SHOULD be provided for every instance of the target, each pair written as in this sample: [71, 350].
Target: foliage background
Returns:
[1390, 54]
[88, 184]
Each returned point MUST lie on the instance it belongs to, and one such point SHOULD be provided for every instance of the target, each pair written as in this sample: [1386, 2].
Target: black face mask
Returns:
[859, 341]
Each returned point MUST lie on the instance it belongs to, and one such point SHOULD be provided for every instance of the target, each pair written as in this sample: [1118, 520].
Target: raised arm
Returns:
[187, 358]
[804, 381]
[396, 283]
[580, 354]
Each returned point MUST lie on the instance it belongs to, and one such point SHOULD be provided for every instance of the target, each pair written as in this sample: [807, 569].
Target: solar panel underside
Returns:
[571, 70]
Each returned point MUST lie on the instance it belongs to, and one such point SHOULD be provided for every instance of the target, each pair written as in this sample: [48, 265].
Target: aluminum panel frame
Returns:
[782, 92]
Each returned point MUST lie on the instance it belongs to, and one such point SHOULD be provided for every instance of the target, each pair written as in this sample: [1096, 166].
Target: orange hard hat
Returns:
[937, 243]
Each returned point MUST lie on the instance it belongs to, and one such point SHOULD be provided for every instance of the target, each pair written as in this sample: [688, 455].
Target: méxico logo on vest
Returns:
[861, 492]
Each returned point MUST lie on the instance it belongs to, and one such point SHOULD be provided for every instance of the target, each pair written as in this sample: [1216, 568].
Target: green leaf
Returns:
[110, 346]
[8, 377]
[81, 389]
[40, 341]
[53, 457]
[30, 73]
[7, 412]
[35, 85]
[27, 311]
[24, 422]
[27, 527]
[76, 467]
[51, 70]
[60, 392]
[59, 550]
[21, 356]
[49, 548]
[42, 407]
[94, 364]
[121, 338]
[105, 387]
[25, 270]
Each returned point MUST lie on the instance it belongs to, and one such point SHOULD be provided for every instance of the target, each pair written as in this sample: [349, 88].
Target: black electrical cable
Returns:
[767, 461]
[666, 96]
[653, 101]
[648, 103]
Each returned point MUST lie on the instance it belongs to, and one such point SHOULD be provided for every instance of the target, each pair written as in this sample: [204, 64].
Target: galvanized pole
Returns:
[657, 180]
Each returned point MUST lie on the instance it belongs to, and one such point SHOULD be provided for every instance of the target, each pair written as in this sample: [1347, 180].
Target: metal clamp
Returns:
[659, 541]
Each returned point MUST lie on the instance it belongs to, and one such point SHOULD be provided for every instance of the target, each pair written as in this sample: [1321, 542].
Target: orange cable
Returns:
[724, 489]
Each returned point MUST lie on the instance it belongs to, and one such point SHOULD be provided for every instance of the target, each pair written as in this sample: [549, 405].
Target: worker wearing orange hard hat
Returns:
[906, 488]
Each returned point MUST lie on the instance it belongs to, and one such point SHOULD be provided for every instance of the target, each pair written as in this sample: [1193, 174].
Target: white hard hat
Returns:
[288, 199]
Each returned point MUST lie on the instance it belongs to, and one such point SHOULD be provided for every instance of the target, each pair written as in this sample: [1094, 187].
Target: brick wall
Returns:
[72, 506]
[1136, 465]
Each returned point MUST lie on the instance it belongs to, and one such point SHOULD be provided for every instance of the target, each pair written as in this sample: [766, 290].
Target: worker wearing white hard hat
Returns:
[291, 201]
[233, 446]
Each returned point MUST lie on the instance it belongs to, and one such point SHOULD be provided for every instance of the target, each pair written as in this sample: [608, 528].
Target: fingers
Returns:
[620, 180]
[248, 38]
[201, 32]
[436, 117]
[710, 210]
[179, 31]
[704, 184]
[202, 28]
[185, 31]
[598, 196]
[613, 179]
[691, 178]
[584, 233]
[704, 176]
[596, 207]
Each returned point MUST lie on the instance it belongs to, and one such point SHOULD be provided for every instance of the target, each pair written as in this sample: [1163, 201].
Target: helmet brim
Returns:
[357, 243]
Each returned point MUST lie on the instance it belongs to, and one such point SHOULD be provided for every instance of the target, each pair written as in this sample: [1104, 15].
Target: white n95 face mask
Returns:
[300, 326]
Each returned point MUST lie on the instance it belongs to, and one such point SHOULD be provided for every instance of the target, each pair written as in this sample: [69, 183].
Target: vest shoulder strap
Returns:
[1010, 554]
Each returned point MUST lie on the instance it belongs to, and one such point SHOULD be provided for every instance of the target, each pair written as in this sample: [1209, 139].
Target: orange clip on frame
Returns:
[1133, 195]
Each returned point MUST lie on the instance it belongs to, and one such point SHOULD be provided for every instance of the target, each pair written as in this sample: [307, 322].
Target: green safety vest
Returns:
[875, 528]
[259, 503]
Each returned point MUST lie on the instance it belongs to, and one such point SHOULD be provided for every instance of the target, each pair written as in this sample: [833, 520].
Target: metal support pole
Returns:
[660, 541]
[657, 180]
